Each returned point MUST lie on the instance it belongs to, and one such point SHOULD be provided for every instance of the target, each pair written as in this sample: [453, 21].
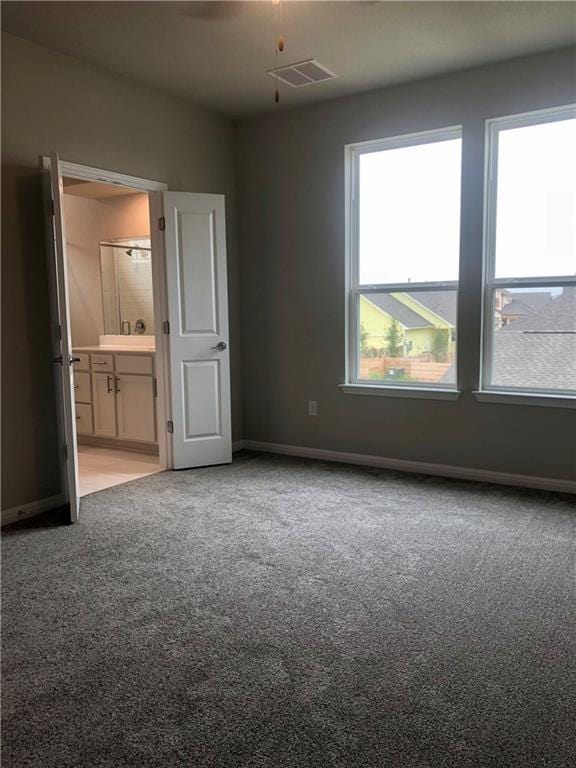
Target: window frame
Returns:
[354, 289]
[490, 282]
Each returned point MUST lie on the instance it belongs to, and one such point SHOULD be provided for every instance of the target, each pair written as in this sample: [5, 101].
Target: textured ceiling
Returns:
[217, 53]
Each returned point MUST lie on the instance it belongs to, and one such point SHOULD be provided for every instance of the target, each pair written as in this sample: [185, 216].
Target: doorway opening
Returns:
[182, 368]
[113, 327]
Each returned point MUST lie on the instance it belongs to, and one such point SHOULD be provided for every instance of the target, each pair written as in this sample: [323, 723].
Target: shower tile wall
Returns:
[135, 286]
[109, 298]
[134, 300]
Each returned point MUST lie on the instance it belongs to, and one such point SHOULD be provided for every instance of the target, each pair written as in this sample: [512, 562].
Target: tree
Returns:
[394, 340]
[440, 346]
[363, 340]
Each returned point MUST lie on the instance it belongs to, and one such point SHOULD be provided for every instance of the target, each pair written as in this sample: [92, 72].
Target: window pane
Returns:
[408, 337]
[535, 338]
[409, 213]
[536, 201]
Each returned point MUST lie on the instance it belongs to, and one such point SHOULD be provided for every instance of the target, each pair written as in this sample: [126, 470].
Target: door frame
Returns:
[159, 291]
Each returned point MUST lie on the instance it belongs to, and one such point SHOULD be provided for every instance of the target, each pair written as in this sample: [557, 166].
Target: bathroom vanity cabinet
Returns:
[115, 395]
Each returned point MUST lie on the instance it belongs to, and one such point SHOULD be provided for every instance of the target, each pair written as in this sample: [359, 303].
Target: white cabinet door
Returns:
[195, 253]
[84, 419]
[135, 407]
[82, 390]
[104, 401]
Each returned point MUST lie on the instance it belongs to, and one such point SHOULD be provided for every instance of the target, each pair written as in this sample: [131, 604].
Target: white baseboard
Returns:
[419, 467]
[238, 445]
[32, 508]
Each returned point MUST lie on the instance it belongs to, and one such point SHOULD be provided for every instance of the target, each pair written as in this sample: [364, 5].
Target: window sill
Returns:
[420, 393]
[518, 398]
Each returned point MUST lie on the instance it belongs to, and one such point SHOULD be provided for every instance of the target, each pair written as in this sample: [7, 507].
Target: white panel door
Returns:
[135, 407]
[104, 402]
[62, 343]
[196, 285]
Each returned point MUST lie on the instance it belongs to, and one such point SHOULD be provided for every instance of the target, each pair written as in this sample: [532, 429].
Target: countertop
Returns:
[117, 348]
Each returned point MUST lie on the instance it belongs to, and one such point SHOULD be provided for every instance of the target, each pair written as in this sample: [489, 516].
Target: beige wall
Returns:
[88, 222]
[291, 193]
[52, 102]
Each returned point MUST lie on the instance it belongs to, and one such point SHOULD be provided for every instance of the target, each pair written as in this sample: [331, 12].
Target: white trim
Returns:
[527, 398]
[421, 393]
[238, 445]
[85, 172]
[534, 117]
[353, 289]
[162, 341]
[88, 173]
[418, 467]
[490, 283]
[32, 508]
[431, 136]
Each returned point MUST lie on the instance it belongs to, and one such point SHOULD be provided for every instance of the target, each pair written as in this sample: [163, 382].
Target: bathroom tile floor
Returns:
[100, 468]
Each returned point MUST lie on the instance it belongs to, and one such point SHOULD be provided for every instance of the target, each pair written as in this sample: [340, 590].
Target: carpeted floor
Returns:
[283, 613]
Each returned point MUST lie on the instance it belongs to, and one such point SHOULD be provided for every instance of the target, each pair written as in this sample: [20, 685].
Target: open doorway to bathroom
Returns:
[112, 323]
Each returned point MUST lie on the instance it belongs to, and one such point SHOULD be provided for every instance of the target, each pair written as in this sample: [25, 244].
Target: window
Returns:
[530, 262]
[404, 248]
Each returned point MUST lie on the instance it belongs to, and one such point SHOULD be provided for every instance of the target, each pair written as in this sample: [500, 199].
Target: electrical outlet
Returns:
[312, 408]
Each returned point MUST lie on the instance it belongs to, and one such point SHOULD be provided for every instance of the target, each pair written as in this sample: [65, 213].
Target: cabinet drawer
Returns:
[102, 363]
[84, 424]
[84, 361]
[134, 364]
[82, 388]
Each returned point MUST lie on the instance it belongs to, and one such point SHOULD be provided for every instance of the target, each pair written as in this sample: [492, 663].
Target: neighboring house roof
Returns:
[538, 350]
[538, 360]
[442, 303]
[557, 314]
[399, 311]
[526, 301]
[515, 308]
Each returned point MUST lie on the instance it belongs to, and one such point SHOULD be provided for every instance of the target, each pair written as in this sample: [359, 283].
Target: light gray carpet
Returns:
[283, 613]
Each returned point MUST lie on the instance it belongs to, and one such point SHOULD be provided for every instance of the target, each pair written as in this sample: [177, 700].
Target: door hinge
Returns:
[162, 223]
[166, 327]
[65, 453]
[155, 387]
[170, 427]
[51, 207]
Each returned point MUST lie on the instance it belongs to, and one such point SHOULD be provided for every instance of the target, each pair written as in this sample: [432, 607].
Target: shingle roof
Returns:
[442, 303]
[526, 301]
[515, 308]
[559, 314]
[396, 309]
[537, 360]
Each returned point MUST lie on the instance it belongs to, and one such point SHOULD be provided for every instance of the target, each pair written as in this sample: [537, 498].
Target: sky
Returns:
[536, 211]
[410, 207]
[410, 213]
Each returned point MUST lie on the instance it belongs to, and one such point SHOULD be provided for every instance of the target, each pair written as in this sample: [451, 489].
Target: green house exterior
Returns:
[418, 327]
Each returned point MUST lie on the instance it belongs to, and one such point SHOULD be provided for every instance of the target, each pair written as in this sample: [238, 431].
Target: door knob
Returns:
[221, 346]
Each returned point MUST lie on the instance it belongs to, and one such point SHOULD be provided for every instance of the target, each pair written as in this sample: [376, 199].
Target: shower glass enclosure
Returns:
[126, 270]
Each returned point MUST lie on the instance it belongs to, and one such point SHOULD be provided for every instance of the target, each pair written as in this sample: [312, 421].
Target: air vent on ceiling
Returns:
[302, 73]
